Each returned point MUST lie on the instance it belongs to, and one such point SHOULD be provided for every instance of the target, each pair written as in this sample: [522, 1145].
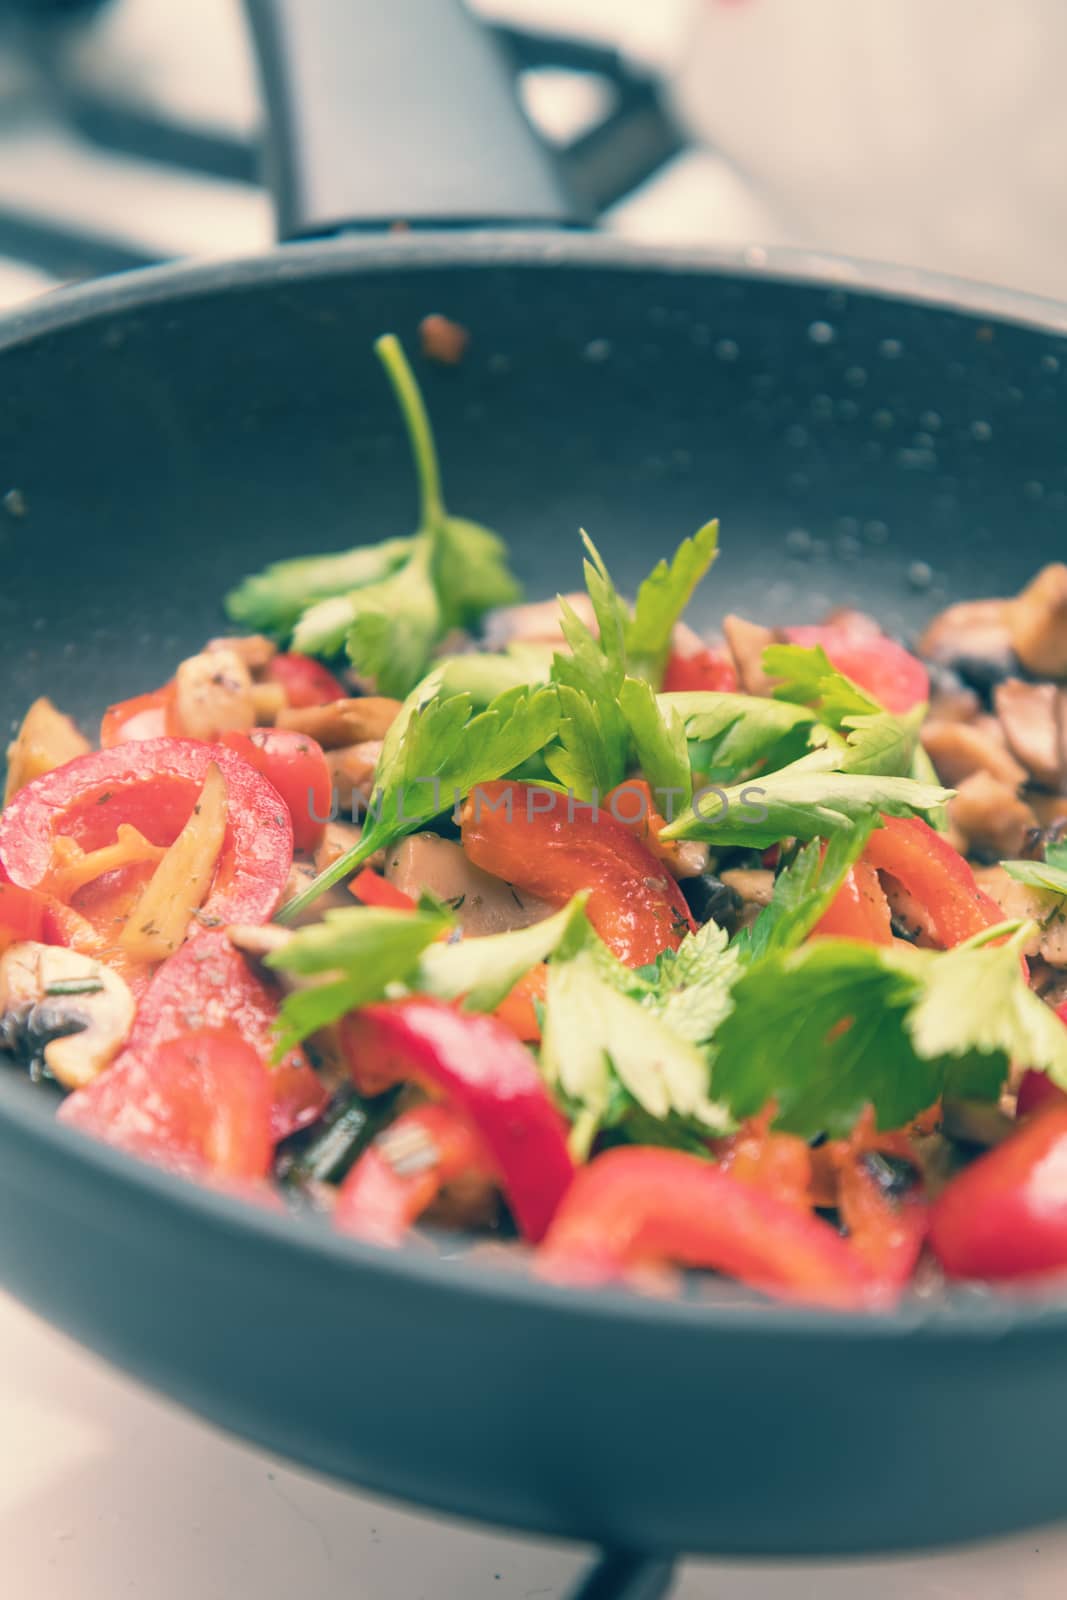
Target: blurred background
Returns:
[923, 132]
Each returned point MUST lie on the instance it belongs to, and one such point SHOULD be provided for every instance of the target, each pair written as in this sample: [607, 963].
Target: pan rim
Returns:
[995, 1316]
[69, 307]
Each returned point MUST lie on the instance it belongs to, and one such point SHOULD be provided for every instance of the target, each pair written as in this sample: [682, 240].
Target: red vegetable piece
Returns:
[146, 716]
[405, 1170]
[632, 1206]
[859, 910]
[306, 682]
[200, 1102]
[705, 669]
[552, 847]
[936, 874]
[295, 766]
[487, 1076]
[374, 890]
[888, 672]
[154, 785]
[1005, 1216]
[23, 915]
[208, 983]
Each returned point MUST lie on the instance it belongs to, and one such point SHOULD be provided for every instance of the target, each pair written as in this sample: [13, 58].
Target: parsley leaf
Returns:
[883, 744]
[1049, 875]
[394, 625]
[661, 600]
[736, 733]
[659, 740]
[363, 950]
[693, 983]
[803, 892]
[272, 601]
[436, 750]
[486, 969]
[805, 676]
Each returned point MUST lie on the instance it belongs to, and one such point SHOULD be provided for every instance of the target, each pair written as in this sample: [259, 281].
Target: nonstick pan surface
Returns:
[163, 435]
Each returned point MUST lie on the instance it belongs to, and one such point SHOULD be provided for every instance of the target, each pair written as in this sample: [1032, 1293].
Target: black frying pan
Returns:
[864, 436]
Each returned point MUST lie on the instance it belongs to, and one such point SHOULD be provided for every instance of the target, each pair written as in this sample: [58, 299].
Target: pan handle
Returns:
[387, 111]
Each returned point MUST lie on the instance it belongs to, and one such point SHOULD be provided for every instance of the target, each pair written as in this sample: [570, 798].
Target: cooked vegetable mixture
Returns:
[412, 903]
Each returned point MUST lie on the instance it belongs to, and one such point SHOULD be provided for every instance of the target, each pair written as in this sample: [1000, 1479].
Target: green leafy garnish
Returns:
[834, 1026]
[692, 985]
[804, 675]
[485, 970]
[660, 744]
[359, 952]
[735, 734]
[389, 604]
[436, 751]
[662, 599]
[1050, 875]
[803, 893]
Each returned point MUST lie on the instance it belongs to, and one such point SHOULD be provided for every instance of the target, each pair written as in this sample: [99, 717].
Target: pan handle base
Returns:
[621, 1575]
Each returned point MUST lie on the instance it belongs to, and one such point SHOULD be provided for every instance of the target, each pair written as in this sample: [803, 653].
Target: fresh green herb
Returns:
[732, 735]
[353, 955]
[63, 986]
[659, 741]
[1050, 875]
[804, 675]
[661, 601]
[485, 970]
[596, 1038]
[692, 987]
[435, 751]
[803, 893]
[834, 1026]
[389, 604]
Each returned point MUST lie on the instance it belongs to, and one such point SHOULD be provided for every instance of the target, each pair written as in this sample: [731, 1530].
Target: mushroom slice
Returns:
[991, 816]
[255, 650]
[482, 903]
[47, 739]
[352, 772]
[62, 1010]
[1038, 623]
[342, 722]
[214, 695]
[958, 749]
[746, 642]
[972, 634]
[755, 885]
[1022, 901]
[1032, 717]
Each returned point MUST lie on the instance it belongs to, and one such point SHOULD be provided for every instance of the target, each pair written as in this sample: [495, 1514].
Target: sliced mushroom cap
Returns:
[755, 885]
[64, 1009]
[1020, 900]
[746, 642]
[482, 903]
[1038, 622]
[958, 749]
[1034, 719]
[991, 816]
[255, 650]
[352, 772]
[214, 695]
[974, 638]
[342, 722]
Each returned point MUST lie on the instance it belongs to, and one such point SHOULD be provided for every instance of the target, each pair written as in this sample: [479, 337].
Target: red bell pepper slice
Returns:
[703, 670]
[936, 874]
[23, 915]
[295, 765]
[859, 910]
[1036, 1089]
[632, 1206]
[780, 1163]
[209, 984]
[552, 847]
[1005, 1216]
[404, 1171]
[895, 678]
[306, 682]
[201, 1102]
[518, 1011]
[374, 890]
[146, 716]
[154, 785]
[487, 1076]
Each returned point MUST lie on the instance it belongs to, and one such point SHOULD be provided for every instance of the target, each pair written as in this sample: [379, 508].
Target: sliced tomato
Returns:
[201, 1101]
[306, 682]
[703, 670]
[208, 983]
[295, 766]
[146, 716]
[895, 678]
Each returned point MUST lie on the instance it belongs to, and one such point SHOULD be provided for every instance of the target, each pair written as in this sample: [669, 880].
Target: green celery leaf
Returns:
[660, 745]
[803, 893]
[694, 984]
[740, 732]
[471, 572]
[662, 599]
[589, 759]
[272, 601]
[395, 625]
[485, 970]
[805, 675]
[360, 950]
[1049, 876]
[882, 744]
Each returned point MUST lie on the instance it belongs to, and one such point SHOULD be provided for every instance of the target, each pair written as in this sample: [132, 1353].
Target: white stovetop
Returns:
[108, 1493]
